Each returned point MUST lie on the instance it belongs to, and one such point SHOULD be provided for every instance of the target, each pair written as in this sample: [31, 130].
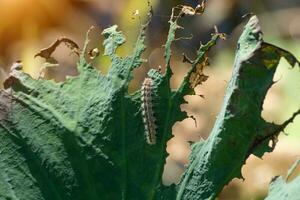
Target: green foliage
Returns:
[84, 138]
[239, 129]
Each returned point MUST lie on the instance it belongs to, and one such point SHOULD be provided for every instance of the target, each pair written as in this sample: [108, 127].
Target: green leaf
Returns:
[281, 189]
[239, 129]
[113, 39]
[84, 138]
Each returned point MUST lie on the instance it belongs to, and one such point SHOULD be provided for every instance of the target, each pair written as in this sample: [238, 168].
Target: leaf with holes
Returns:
[239, 129]
[84, 138]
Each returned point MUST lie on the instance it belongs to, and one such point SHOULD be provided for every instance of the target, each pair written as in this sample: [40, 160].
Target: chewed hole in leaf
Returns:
[55, 64]
[174, 169]
[153, 60]
[281, 100]
[179, 68]
[59, 71]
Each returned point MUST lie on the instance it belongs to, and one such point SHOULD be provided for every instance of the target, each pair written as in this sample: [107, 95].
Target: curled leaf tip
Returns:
[87, 41]
[254, 24]
[18, 65]
[218, 34]
[185, 10]
[186, 59]
[48, 51]
[248, 15]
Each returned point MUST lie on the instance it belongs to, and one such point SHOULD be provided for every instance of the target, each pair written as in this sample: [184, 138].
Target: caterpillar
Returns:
[147, 111]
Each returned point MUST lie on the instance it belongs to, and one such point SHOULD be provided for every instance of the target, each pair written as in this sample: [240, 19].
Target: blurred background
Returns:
[26, 26]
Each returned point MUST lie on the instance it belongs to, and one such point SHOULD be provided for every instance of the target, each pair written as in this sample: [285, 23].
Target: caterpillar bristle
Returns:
[147, 111]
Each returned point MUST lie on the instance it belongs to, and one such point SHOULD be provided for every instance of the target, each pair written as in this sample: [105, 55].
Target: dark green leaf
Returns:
[84, 138]
[239, 129]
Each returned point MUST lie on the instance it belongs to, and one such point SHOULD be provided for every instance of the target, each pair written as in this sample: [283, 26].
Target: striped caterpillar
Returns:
[147, 111]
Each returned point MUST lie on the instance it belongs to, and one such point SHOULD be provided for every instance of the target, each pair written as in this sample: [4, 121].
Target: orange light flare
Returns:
[16, 13]
[23, 22]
